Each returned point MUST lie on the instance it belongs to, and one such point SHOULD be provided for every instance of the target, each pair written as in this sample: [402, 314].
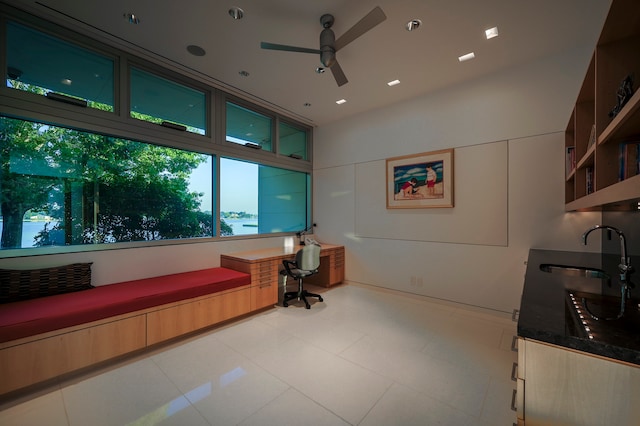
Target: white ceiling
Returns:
[424, 60]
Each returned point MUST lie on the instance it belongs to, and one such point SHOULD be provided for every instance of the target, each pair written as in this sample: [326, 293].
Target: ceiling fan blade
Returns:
[372, 19]
[338, 74]
[286, 48]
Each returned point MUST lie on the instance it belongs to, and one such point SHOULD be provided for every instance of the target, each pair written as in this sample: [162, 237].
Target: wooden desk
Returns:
[264, 265]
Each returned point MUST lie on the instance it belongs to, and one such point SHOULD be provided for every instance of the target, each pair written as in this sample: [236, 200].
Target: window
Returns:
[259, 199]
[76, 178]
[67, 187]
[162, 101]
[39, 63]
[293, 141]
[248, 127]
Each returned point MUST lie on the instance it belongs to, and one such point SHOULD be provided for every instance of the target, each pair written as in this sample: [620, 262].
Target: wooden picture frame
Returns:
[420, 181]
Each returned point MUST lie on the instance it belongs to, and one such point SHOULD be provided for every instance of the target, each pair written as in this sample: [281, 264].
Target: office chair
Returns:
[306, 264]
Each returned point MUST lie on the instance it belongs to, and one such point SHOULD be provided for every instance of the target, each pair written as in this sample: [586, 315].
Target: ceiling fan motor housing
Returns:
[327, 51]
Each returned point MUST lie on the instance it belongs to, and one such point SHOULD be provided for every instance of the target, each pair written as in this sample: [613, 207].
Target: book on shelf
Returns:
[589, 179]
[592, 137]
[629, 160]
[570, 164]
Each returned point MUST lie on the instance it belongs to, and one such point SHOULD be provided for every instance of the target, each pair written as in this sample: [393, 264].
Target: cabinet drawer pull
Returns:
[515, 315]
[514, 369]
[514, 397]
[265, 284]
[514, 344]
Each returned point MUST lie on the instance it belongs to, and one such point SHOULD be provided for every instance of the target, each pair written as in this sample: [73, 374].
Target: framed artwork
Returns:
[420, 181]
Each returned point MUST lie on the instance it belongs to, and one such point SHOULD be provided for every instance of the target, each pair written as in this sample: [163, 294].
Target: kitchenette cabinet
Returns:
[559, 386]
[574, 369]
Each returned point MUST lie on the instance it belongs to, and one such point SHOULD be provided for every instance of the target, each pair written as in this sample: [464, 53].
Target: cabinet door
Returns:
[572, 388]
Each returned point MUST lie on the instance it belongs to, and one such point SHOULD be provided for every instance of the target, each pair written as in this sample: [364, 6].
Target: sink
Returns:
[574, 271]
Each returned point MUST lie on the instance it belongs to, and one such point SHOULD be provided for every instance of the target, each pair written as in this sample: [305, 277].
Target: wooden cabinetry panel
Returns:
[562, 386]
[43, 359]
[264, 290]
[264, 277]
[183, 318]
[337, 266]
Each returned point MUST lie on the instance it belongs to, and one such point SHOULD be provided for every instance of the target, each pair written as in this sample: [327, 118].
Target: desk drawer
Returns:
[264, 284]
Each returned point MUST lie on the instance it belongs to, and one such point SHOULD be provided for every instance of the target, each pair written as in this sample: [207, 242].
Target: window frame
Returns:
[28, 106]
[131, 63]
[68, 36]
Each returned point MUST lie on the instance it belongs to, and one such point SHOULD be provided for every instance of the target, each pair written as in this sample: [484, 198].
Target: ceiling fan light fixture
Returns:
[236, 13]
[329, 44]
[413, 24]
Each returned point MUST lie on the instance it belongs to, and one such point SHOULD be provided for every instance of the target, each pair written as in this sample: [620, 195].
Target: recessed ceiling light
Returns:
[196, 50]
[466, 57]
[236, 13]
[307, 104]
[320, 70]
[393, 83]
[413, 24]
[491, 33]
[341, 101]
[133, 19]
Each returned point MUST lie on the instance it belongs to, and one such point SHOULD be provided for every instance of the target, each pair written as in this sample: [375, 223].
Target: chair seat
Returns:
[306, 264]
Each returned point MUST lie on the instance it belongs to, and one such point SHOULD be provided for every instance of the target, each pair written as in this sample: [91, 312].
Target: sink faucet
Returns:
[625, 265]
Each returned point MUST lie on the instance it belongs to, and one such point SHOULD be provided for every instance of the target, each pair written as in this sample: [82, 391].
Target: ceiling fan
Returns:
[328, 43]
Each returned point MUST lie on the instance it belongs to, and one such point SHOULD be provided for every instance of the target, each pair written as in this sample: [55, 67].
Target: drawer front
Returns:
[264, 284]
[184, 318]
[44, 359]
[337, 267]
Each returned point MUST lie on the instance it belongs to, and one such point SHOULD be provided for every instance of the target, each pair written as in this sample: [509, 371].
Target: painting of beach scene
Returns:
[420, 180]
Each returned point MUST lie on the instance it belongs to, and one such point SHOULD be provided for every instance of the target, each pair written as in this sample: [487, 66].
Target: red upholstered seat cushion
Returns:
[35, 316]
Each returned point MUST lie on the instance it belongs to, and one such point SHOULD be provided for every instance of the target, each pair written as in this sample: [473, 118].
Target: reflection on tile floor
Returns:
[363, 357]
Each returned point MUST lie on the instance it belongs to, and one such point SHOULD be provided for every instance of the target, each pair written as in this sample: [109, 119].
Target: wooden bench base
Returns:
[35, 359]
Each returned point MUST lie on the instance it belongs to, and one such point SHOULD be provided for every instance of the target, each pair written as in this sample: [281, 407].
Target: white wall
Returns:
[528, 107]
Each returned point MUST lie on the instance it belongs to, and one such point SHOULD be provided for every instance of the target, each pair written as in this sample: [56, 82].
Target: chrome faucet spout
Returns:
[625, 264]
[624, 267]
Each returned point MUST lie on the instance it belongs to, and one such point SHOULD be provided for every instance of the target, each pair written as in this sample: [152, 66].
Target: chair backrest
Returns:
[308, 257]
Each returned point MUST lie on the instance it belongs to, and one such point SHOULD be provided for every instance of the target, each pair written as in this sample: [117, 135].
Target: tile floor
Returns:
[365, 357]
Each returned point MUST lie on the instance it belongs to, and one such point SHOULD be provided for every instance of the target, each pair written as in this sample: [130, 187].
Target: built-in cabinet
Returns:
[559, 386]
[601, 148]
[36, 359]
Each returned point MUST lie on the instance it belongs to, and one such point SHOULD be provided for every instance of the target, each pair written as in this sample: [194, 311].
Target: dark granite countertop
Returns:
[552, 309]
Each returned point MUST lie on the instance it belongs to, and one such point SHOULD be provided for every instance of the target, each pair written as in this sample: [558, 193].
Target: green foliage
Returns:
[99, 188]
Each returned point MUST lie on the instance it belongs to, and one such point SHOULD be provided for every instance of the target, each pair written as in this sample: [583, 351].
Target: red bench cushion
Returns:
[35, 316]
